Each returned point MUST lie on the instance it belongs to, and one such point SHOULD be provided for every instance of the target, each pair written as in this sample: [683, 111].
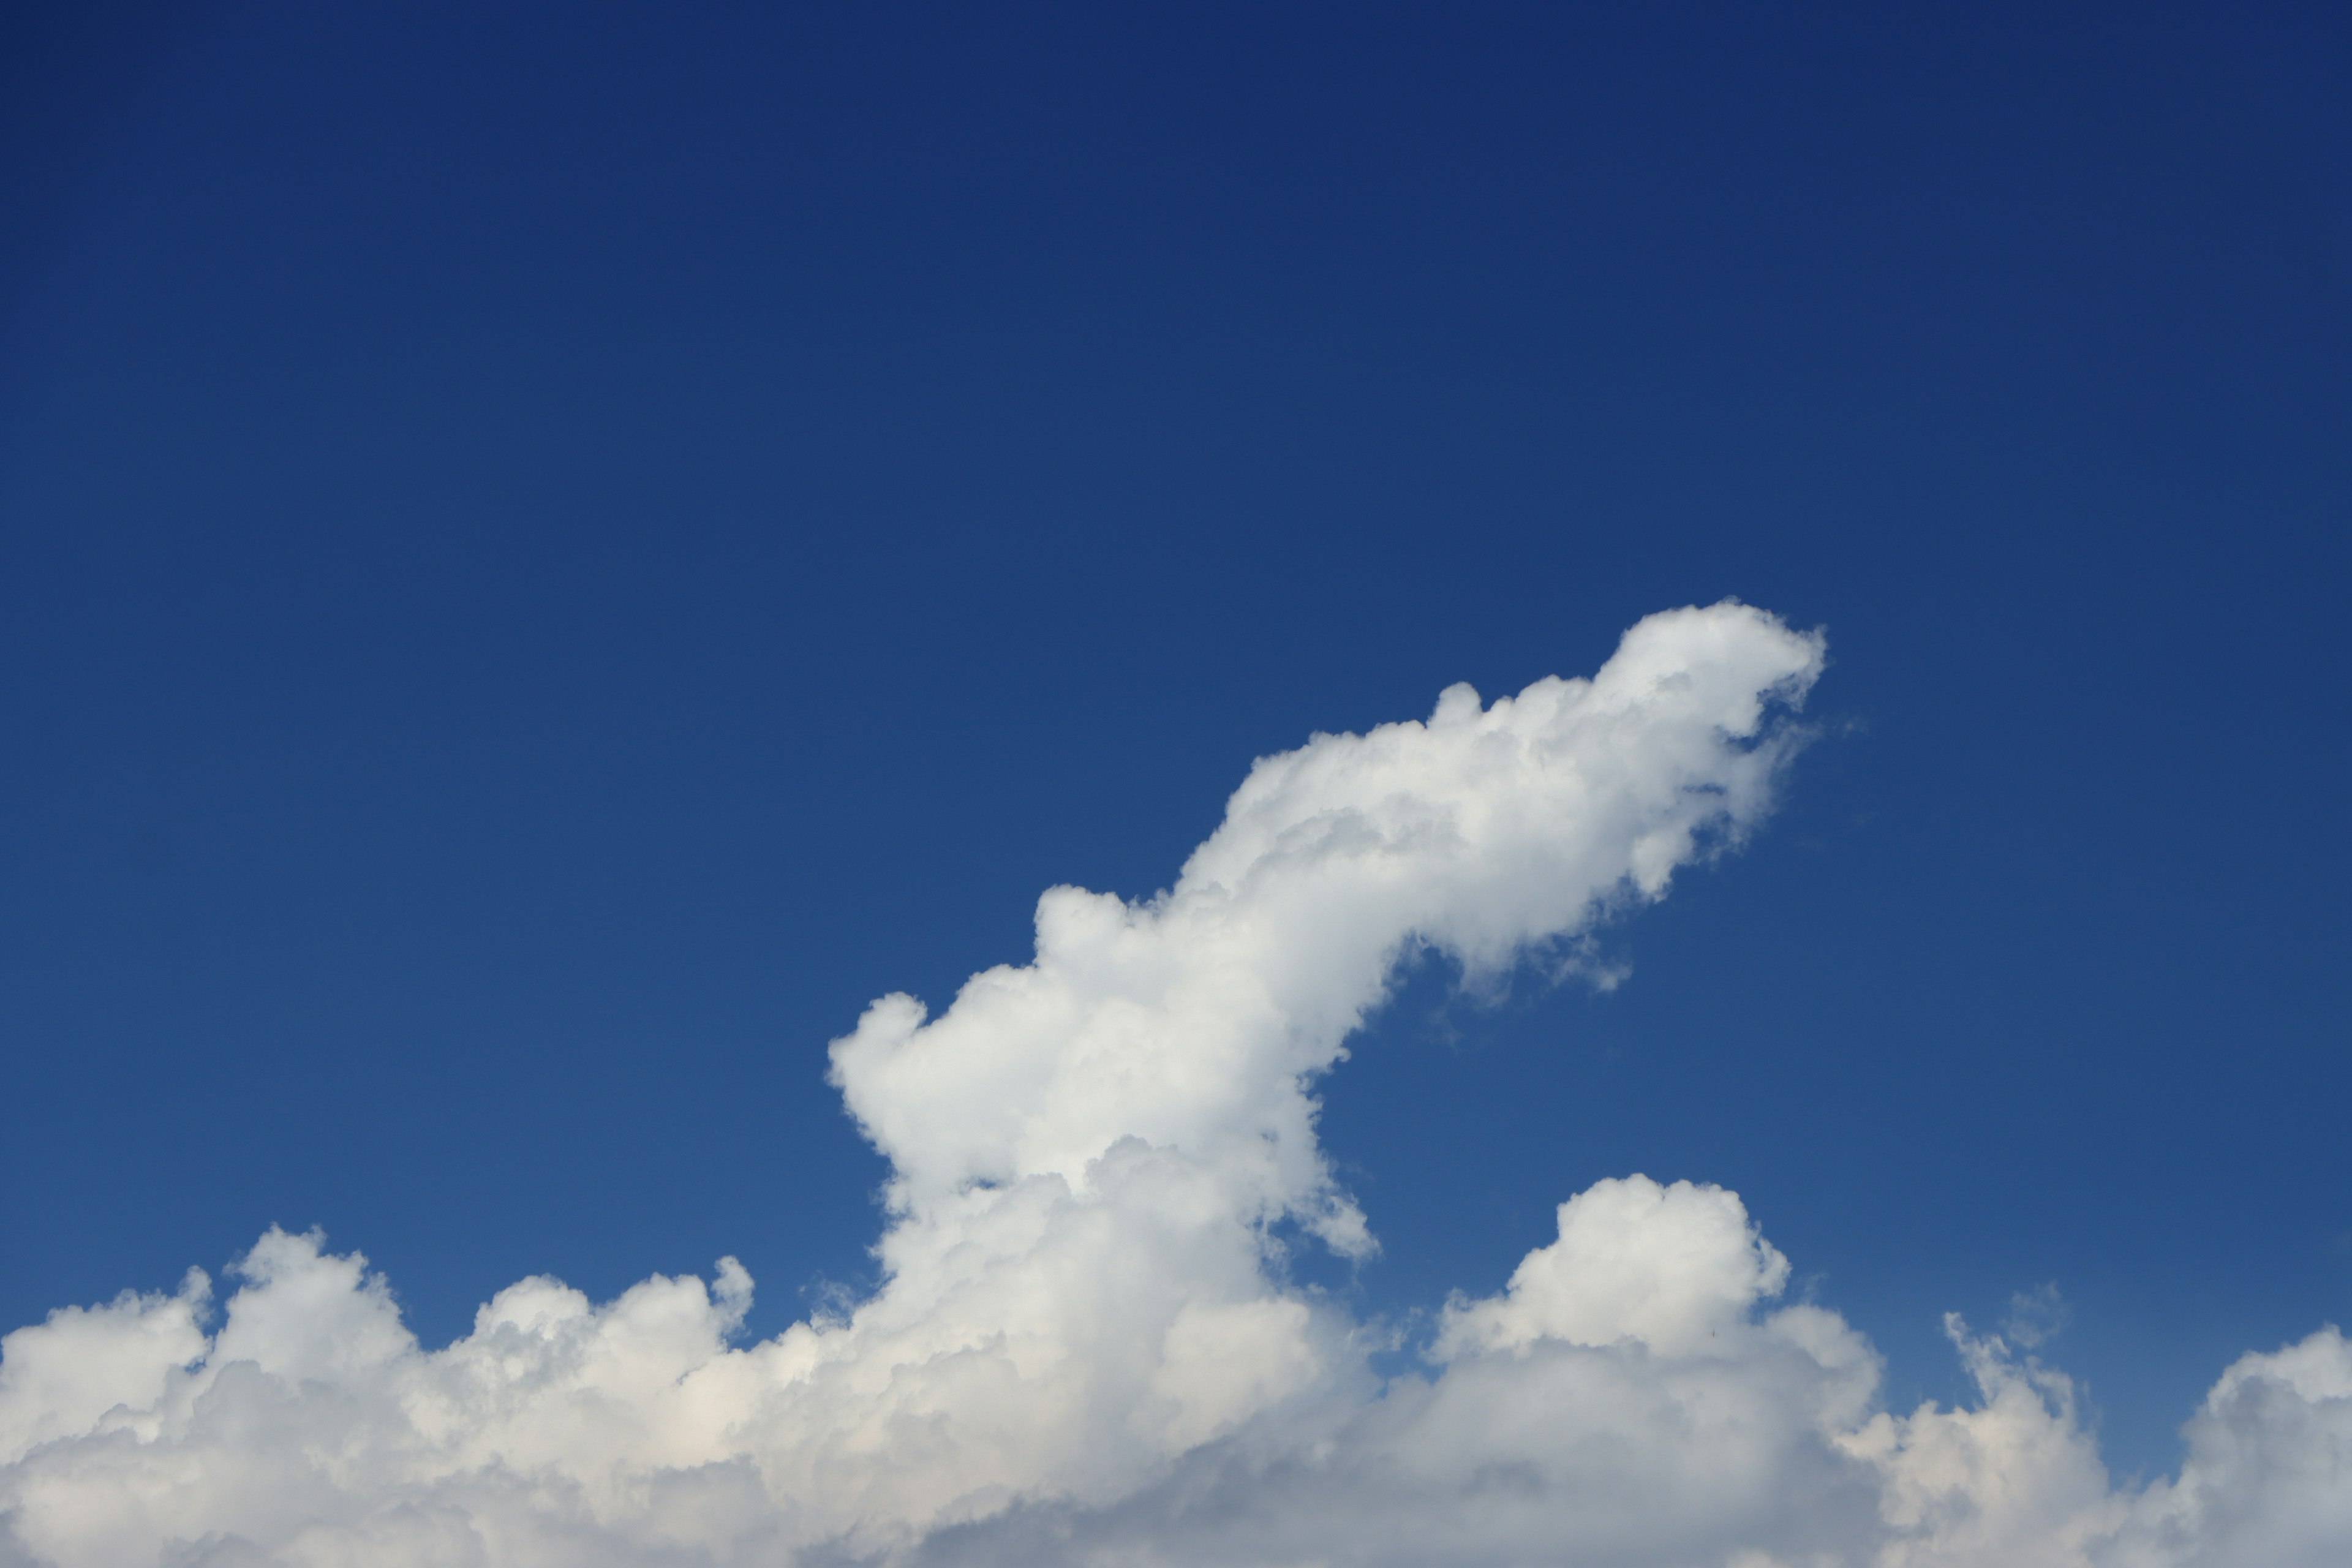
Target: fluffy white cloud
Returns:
[1671, 1267]
[1080, 1352]
[2269, 1473]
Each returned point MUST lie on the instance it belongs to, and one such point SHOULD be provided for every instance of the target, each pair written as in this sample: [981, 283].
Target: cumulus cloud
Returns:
[1084, 1349]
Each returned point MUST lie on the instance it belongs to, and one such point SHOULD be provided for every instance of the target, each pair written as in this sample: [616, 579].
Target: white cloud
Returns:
[1671, 1267]
[1080, 1354]
[2269, 1473]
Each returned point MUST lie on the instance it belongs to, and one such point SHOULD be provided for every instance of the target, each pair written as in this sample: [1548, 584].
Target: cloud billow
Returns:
[1082, 1351]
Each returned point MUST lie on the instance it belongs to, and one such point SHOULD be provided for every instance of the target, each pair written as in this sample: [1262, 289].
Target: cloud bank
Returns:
[1085, 1350]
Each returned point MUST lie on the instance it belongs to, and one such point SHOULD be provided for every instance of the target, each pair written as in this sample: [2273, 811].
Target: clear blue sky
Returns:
[547, 557]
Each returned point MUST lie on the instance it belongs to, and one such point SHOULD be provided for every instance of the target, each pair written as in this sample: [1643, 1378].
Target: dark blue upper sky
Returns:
[548, 556]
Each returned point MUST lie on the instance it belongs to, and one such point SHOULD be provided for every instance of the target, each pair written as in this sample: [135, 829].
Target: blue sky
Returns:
[548, 558]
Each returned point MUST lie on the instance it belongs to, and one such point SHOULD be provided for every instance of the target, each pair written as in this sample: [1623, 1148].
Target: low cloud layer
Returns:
[1085, 1350]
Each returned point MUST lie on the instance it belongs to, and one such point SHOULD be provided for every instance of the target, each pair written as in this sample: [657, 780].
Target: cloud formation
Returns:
[1084, 1349]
